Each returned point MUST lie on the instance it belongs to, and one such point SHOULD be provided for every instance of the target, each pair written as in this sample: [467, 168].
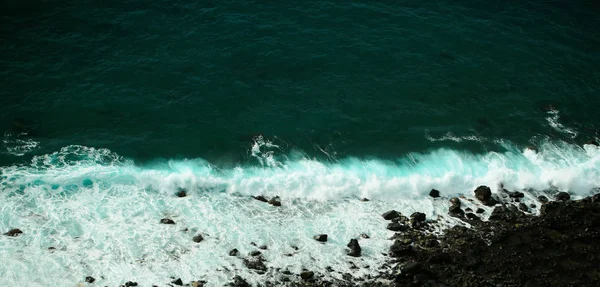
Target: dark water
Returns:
[177, 79]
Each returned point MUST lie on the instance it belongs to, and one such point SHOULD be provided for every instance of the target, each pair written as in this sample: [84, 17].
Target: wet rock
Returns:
[275, 201]
[286, 272]
[198, 238]
[562, 196]
[321, 237]
[418, 217]
[514, 194]
[542, 199]
[468, 209]
[256, 263]
[199, 283]
[240, 282]
[167, 221]
[533, 206]
[255, 253]
[260, 198]
[181, 192]
[364, 199]
[391, 215]
[234, 252]
[90, 279]
[434, 193]
[263, 247]
[306, 275]
[471, 216]
[399, 249]
[397, 226]
[410, 267]
[130, 284]
[177, 282]
[355, 249]
[455, 209]
[480, 210]
[14, 232]
[523, 207]
[484, 194]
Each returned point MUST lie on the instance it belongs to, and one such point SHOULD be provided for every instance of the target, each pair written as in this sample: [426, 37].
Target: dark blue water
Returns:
[188, 79]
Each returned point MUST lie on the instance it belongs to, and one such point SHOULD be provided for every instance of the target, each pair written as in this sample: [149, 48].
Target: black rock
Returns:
[256, 263]
[14, 232]
[355, 249]
[198, 238]
[130, 284]
[418, 217]
[255, 253]
[542, 199]
[523, 207]
[321, 237]
[234, 252]
[306, 275]
[471, 216]
[167, 221]
[90, 279]
[410, 267]
[480, 210]
[286, 272]
[397, 226]
[263, 247]
[484, 194]
[240, 282]
[514, 194]
[562, 196]
[399, 249]
[181, 193]
[391, 215]
[260, 198]
[434, 193]
[364, 199]
[275, 201]
[177, 282]
[468, 209]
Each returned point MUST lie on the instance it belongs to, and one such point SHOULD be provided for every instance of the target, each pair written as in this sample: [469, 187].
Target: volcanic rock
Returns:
[355, 249]
[391, 215]
[14, 232]
[321, 237]
[562, 196]
[167, 221]
[434, 193]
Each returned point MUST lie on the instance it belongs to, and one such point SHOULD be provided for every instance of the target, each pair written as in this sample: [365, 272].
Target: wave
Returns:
[100, 211]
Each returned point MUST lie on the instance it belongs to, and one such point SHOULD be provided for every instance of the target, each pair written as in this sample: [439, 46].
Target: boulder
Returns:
[130, 284]
[434, 193]
[90, 279]
[418, 217]
[455, 209]
[181, 192]
[255, 253]
[275, 201]
[14, 232]
[198, 238]
[391, 215]
[355, 250]
[523, 207]
[484, 194]
[321, 237]
[562, 196]
[234, 252]
[263, 247]
[542, 199]
[364, 199]
[480, 210]
[307, 275]
[177, 282]
[399, 249]
[240, 282]
[397, 226]
[255, 262]
[167, 221]
[514, 194]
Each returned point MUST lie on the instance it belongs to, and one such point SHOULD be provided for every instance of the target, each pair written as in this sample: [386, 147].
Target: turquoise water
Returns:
[109, 109]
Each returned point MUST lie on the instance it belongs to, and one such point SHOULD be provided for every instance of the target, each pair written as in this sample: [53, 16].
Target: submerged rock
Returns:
[455, 209]
[177, 282]
[355, 249]
[321, 237]
[417, 219]
[167, 221]
[364, 199]
[434, 193]
[14, 232]
[234, 252]
[514, 194]
[181, 193]
[542, 199]
[390, 215]
[275, 201]
[260, 198]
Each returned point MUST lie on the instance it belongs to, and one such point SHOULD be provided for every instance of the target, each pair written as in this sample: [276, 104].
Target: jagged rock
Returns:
[240, 282]
[542, 199]
[167, 221]
[90, 279]
[523, 207]
[181, 192]
[562, 196]
[399, 249]
[275, 201]
[391, 215]
[130, 284]
[355, 249]
[480, 210]
[306, 275]
[484, 194]
[255, 253]
[397, 226]
[260, 198]
[234, 252]
[177, 282]
[418, 217]
[471, 216]
[455, 209]
[321, 237]
[14, 232]
[514, 194]
[434, 193]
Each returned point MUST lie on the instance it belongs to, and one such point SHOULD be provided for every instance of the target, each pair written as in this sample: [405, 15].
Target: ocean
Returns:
[108, 109]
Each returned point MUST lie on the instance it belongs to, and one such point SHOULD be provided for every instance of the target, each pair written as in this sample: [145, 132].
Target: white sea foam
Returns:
[101, 212]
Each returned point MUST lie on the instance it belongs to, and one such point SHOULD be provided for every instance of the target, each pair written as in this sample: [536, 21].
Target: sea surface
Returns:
[108, 108]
